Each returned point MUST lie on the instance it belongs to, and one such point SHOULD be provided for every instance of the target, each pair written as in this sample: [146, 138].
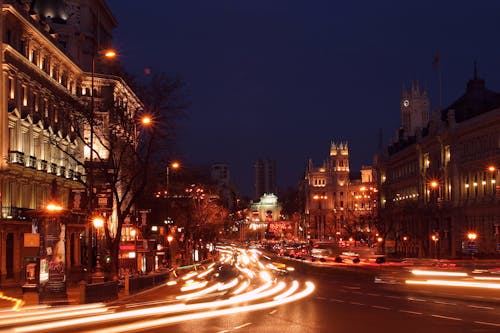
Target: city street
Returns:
[247, 293]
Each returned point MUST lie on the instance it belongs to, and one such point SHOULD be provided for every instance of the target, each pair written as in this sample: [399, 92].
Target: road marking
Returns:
[380, 307]
[336, 300]
[375, 295]
[411, 312]
[416, 299]
[473, 296]
[349, 287]
[321, 298]
[395, 297]
[241, 326]
[356, 303]
[445, 317]
[357, 292]
[273, 312]
[486, 323]
[223, 331]
[445, 303]
[481, 307]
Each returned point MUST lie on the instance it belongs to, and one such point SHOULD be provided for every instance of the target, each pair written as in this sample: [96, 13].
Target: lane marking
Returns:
[273, 312]
[375, 295]
[395, 297]
[486, 323]
[357, 292]
[223, 331]
[350, 287]
[411, 312]
[481, 307]
[416, 299]
[356, 303]
[336, 300]
[444, 303]
[321, 298]
[380, 307]
[445, 317]
[241, 326]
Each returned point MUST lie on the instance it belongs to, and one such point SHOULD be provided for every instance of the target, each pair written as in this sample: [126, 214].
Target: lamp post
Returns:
[98, 275]
[174, 166]
[109, 54]
[472, 236]
[435, 239]
[170, 238]
[405, 242]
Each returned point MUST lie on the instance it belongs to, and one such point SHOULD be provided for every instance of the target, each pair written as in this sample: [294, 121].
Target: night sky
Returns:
[281, 79]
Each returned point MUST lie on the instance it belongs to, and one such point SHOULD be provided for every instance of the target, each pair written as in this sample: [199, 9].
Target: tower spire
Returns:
[475, 70]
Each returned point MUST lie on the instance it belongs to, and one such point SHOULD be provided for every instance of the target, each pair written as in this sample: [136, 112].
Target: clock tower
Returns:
[414, 109]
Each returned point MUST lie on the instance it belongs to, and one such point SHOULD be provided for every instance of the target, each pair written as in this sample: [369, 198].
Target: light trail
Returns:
[452, 283]
[149, 324]
[438, 273]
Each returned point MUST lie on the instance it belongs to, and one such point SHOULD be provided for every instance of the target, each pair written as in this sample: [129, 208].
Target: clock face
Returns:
[406, 102]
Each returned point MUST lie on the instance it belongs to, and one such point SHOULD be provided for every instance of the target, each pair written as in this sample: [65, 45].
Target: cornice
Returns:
[45, 41]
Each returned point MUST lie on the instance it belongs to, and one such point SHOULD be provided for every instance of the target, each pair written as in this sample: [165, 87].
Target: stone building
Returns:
[438, 184]
[44, 82]
[336, 204]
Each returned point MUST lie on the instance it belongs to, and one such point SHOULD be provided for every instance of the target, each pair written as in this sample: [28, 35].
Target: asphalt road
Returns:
[345, 299]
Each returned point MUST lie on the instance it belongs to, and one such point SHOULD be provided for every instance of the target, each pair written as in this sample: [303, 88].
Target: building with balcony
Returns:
[438, 184]
[44, 85]
[337, 204]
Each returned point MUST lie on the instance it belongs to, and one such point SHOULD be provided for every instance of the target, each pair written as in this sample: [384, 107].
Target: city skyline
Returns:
[343, 64]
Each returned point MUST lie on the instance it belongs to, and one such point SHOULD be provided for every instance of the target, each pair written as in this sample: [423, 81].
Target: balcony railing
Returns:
[42, 165]
[62, 171]
[70, 174]
[52, 168]
[16, 157]
[32, 162]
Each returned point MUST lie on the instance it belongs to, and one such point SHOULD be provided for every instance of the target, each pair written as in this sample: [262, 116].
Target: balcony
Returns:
[32, 162]
[62, 171]
[16, 157]
[70, 174]
[42, 165]
[52, 168]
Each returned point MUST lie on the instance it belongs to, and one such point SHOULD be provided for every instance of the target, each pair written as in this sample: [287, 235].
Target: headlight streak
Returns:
[451, 283]
[52, 316]
[205, 273]
[189, 275]
[269, 289]
[290, 291]
[229, 285]
[149, 324]
[161, 310]
[201, 292]
[437, 273]
[487, 278]
[242, 287]
[46, 310]
[194, 285]
[171, 283]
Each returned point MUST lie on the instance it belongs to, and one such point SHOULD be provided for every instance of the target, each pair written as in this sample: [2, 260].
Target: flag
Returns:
[436, 61]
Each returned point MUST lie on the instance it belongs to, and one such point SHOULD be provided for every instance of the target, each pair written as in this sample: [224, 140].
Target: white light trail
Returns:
[437, 273]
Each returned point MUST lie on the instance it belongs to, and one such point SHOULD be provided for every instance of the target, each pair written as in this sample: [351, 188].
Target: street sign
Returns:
[469, 247]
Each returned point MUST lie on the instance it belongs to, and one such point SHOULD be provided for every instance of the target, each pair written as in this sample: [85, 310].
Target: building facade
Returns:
[438, 185]
[336, 204]
[43, 85]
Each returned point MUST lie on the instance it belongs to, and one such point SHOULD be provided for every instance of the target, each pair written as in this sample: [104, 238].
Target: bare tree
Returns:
[124, 148]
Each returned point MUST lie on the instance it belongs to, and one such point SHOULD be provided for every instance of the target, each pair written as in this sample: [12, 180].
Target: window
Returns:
[12, 94]
[25, 96]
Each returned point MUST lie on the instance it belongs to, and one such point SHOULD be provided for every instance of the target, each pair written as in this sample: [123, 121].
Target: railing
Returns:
[98, 292]
[16, 157]
[138, 283]
[52, 168]
[32, 162]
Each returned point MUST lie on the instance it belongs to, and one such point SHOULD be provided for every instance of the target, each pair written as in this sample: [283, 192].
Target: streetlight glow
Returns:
[472, 236]
[175, 165]
[98, 222]
[146, 120]
[53, 207]
[110, 54]
[434, 183]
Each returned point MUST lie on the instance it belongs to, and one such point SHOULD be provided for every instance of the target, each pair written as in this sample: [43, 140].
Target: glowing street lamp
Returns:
[98, 275]
[435, 239]
[472, 236]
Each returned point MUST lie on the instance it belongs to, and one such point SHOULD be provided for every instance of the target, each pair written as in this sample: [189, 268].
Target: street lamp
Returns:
[109, 54]
[98, 275]
[170, 238]
[435, 239]
[174, 166]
